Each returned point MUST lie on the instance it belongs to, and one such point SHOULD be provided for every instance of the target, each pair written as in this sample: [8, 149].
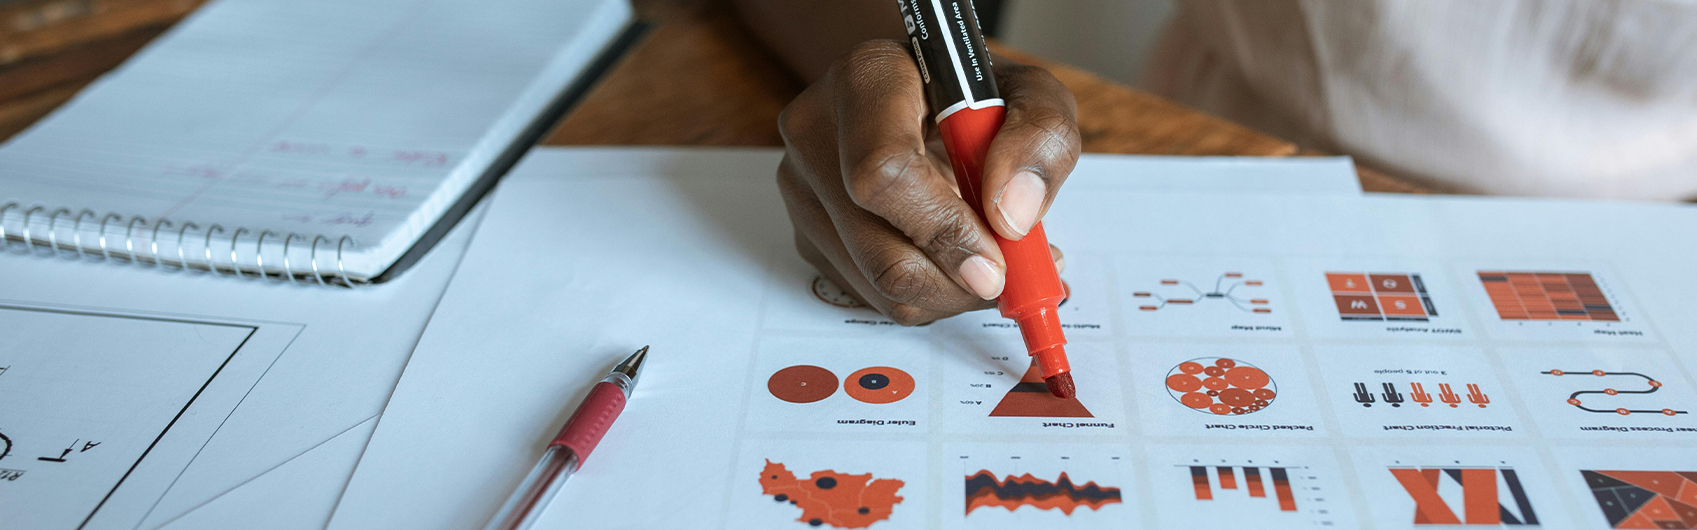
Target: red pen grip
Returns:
[1033, 288]
[592, 419]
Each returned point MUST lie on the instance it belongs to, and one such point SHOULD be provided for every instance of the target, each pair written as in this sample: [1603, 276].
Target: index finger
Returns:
[887, 170]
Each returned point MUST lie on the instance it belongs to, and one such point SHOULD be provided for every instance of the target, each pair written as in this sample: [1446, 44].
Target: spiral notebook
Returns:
[318, 141]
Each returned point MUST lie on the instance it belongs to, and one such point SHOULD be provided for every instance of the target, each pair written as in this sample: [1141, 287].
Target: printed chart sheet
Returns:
[1242, 361]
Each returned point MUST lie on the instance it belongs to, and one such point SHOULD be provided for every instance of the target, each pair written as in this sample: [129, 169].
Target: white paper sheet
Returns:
[90, 395]
[298, 493]
[309, 381]
[365, 119]
[698, 265]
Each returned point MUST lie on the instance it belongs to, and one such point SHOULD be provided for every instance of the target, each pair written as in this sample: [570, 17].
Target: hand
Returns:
[874, 203]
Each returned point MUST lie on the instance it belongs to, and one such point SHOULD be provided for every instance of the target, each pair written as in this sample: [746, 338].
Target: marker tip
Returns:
[1061, 385]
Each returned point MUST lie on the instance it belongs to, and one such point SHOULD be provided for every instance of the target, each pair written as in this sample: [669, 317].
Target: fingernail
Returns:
[1060, 264]
[982, 277]
[1021, 200]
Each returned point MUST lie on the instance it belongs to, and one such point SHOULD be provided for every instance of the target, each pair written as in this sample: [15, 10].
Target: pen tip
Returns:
[1061, 385]
[632, 365]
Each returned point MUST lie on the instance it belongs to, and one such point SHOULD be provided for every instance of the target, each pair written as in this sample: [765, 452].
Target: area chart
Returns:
[983, 490]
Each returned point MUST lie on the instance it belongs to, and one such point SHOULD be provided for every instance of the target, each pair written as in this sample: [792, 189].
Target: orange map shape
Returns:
[831, 498]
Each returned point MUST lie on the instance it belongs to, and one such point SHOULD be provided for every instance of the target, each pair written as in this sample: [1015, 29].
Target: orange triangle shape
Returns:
[1637, 521]
[1687, 514]
[1031, 398]
[1658, 510]
[1661, 482]
[1688, 490]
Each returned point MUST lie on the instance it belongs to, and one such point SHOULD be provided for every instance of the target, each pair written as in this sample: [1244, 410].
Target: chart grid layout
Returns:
[1547, 296]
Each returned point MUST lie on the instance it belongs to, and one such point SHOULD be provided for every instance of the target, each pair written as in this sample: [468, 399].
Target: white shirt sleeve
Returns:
[1523, 97]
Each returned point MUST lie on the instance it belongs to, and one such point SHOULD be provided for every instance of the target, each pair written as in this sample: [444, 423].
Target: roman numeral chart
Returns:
[1466, 496]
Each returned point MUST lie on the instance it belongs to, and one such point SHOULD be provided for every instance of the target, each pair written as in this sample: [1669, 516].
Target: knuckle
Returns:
[871, 68]
[799, 198]
[797, 119]
[1013, 71]
[805, 248]
[1033, 84]
[1039, 78]
[873, 178]
[1053, 136]
[900, 276]
[951, 229]
[907, 315]
[1057, 126]
[789, 184]
[871, 56]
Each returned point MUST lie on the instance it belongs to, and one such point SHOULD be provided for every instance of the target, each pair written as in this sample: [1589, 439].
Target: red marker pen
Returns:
[955, 65]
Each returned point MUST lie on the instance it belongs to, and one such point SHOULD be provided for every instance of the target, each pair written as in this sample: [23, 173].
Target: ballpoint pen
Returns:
[569, 448]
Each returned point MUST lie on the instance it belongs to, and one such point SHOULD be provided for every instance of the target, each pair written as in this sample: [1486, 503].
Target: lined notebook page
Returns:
[363, 119]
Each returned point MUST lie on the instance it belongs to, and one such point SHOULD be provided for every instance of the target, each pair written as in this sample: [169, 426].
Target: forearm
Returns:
[808, 34]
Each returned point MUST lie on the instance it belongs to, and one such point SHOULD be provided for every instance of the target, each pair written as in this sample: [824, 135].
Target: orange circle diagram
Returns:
[1217, 385]
[879, 385]
[803, 384]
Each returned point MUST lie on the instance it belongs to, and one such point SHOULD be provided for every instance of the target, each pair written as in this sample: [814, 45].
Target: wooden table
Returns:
[697, 79]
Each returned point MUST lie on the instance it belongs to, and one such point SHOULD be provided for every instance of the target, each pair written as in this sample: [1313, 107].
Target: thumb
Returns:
[1033, 153]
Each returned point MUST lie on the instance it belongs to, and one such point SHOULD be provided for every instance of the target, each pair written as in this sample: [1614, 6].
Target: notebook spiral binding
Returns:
[139, 231]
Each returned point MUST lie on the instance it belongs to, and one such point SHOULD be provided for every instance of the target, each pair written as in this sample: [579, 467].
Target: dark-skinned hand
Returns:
[874, 203]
